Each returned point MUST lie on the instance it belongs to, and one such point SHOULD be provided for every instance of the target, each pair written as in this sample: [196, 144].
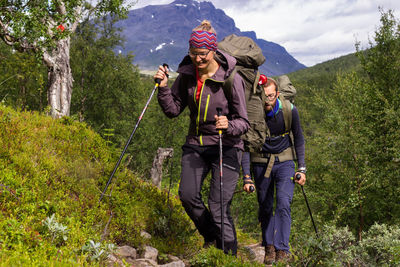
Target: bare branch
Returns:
[48, 59]
[78, 17]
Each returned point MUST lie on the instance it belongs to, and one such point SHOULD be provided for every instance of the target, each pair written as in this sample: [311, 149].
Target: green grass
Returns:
[58, 168]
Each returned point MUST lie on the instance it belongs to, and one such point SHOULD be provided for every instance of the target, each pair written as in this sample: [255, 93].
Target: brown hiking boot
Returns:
[283, 256]
[269, 254]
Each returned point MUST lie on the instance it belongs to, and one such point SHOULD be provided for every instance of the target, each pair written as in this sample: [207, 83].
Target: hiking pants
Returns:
[196, 164]
[275, 227]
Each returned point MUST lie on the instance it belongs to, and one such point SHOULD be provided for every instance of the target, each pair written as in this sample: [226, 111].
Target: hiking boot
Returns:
[269, 254]
[282, 256]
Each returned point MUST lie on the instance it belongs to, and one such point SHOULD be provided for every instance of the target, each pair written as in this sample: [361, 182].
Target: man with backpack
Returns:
[273, 166]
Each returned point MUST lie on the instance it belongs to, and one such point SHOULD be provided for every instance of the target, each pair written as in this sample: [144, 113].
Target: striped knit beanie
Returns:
[203, 39]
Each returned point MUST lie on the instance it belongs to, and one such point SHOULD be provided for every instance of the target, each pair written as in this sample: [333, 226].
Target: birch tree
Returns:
[44, 27]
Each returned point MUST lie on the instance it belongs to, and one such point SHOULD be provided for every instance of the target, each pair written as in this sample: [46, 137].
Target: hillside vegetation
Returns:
[53, 171]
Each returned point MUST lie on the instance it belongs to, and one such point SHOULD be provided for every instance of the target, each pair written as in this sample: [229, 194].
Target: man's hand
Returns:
[302, 180]
[248, 184]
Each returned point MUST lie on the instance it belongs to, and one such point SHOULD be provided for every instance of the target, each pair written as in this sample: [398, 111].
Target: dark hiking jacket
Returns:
[202, 130]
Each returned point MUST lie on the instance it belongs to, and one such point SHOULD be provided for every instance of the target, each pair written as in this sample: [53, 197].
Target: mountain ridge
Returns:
[160, 33]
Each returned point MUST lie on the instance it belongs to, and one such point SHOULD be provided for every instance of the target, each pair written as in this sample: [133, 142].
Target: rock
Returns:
[113, 261]
[177, 263]
[257, 252]
[172, 258]
[150, 253]
[144, 263]
[126, 251]
[145, 235]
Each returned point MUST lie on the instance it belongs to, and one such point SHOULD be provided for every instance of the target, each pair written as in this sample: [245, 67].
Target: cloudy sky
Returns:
[312, 31]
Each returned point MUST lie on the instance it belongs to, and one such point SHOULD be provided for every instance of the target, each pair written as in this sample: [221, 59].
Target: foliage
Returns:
[55, 169]
[244, 211]
[37, 25]
[97, 251]
[110, 94]
[22, 80]
[337, 246]
[44, 28]
[106, 82]
[352, 133]
[381, 245]
[57, 231]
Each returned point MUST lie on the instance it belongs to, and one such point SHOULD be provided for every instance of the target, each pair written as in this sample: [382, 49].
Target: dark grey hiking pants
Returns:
[197, 162]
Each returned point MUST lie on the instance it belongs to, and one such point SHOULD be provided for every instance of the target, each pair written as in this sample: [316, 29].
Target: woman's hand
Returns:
[162, 75]
[221, 122]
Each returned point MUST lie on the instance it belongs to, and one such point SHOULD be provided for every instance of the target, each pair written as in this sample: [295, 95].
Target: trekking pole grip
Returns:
[298, 176]
[158, 80]
[219, 111]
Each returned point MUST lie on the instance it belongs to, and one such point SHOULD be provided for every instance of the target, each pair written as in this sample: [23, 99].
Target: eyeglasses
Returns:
[271, 96]
[200, 55]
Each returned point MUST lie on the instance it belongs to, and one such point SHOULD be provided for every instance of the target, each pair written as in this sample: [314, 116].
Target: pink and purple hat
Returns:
[203, 39]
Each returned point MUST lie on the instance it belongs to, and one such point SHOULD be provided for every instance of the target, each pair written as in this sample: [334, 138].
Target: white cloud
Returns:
[312, 31]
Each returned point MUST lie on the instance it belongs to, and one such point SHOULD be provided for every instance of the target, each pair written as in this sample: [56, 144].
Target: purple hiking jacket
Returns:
[202, 129]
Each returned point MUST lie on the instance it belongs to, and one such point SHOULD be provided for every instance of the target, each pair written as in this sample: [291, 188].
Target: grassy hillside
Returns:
[324, 74]
[51, 176]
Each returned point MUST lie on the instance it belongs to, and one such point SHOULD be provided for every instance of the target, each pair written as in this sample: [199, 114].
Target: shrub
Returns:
[381, 245]
[337, 246]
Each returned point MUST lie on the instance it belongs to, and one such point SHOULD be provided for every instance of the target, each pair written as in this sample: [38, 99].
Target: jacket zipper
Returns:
[205, 112]
[198, 111]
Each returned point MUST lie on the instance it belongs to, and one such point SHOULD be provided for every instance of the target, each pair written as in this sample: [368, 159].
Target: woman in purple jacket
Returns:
[199, 87]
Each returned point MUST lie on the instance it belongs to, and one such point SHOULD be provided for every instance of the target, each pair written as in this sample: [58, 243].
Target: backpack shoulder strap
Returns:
[287, 113]
[287, 107]
[227, 85]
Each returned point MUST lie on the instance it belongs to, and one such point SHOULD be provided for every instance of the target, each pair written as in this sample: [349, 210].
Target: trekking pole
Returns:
[240, 191]
[133, 132]
[221, 184]
[298, 177]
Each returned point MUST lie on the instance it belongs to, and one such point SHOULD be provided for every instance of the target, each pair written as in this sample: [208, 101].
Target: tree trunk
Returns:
[60, 79]
[156, 170]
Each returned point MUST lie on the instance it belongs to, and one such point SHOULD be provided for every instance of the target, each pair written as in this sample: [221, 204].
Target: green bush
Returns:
[51, 176]
[337, 246]
[381, 245]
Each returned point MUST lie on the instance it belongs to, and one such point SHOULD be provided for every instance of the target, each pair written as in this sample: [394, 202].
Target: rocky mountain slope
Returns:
[160, 33]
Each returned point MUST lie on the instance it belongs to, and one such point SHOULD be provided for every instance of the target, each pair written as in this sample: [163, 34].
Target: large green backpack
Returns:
[249, 57]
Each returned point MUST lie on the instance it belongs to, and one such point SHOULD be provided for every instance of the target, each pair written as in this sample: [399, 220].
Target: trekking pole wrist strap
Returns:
[302, 170]
[247, 180]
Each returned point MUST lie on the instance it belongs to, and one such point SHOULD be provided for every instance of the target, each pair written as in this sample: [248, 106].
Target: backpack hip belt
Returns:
[269, 159]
